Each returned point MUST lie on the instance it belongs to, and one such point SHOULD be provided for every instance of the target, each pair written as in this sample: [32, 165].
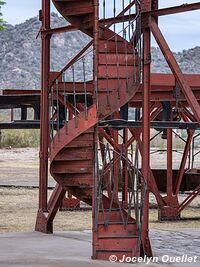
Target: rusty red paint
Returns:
[73, 150]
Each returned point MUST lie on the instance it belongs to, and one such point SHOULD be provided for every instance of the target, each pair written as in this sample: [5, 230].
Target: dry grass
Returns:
[189, 219]
[20, 165]
[19, 206]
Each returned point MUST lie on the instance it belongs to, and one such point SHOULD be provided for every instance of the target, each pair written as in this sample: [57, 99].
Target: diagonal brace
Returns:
[186, 89]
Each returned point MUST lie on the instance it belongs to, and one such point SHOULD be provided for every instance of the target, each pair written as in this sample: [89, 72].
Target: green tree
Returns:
[2, 22]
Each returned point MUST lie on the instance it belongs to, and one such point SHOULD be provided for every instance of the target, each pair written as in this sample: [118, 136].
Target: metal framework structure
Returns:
[93, 146]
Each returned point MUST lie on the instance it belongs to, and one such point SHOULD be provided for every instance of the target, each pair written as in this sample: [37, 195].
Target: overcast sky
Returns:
[182, 31]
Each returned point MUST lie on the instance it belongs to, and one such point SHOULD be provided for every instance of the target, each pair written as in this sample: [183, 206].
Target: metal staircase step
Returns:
[117, 229]
[80, 144]
[82, 177]
[73, 163]
[117, 243]
[78, 9]
[117, 236]
[113, 59]
[112, 216]
[123, 72]
[72, 169]
[78, 181]
[79, 13]
[74, 156]
[68, 88]
[111, 47]
[105, 86]
[116, 223]
[114, 250]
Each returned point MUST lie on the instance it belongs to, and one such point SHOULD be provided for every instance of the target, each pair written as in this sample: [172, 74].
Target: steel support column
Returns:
[146, 137]
[125, 169]
[116, 165]
[85, 17]
[44, 121]
[169, 164]
[95, 161]
[168, 211]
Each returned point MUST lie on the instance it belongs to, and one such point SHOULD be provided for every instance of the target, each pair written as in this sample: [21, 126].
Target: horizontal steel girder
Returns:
[162, 89]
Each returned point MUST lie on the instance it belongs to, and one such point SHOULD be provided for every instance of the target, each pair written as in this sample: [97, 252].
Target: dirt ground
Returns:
[20, 167]
[18, 206]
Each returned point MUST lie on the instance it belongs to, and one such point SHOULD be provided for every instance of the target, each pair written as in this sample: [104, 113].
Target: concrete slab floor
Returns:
[73, 249]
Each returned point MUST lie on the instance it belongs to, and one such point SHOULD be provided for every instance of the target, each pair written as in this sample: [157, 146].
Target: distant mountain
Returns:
[20, 54]
[188, 60]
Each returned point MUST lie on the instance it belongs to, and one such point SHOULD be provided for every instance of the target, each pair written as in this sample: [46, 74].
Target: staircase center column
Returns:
[146, 247]
[95, 101]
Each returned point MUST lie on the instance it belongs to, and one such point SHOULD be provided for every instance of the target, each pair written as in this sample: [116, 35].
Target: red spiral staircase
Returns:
[74, 148]
[84, 126]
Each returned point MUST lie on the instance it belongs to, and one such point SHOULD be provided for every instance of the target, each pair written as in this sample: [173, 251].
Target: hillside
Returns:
[20, 54]
[189, 60]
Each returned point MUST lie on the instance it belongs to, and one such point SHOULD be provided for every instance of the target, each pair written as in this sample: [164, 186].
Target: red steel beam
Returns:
[19, 92]
[109, 21]
[160, 80]
[159, 83]
[169, 165]
[189, 199]
[156, 112]
[175, 68]
[54, 202]
[68, 28]
[175, 9]
[44, 117]
[188, 113]
[146, 138]
[95, 43]
[163, 85]
[121, 14]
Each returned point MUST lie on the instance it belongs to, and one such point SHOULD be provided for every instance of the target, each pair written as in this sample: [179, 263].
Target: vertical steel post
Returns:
[95, 99]
[146, 247]
[44, 121]
[146, 136]
[169, 165]
[125, 168]
[115, 166]
[12, 114]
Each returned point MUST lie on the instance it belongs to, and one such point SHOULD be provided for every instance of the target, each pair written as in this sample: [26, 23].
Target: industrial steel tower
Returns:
[86, 131]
